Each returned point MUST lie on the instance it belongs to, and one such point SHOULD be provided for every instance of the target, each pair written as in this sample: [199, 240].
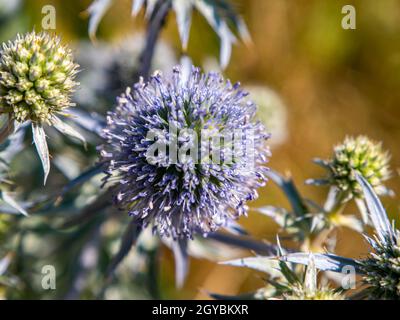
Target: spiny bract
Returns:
[382, 270]
[185, 197]
[363, 156]
[36, 77]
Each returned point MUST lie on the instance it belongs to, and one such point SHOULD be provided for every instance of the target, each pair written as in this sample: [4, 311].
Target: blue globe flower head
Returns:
[184, 152]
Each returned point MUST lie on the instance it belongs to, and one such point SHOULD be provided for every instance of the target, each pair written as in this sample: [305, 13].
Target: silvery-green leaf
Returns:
[226, 46]
[281, 251]
[267, 265]
[290, 191]
[150, 5]
[324, 164]
[332, 199]
[4, 263]
[310, 280]
[323, 262]
[183, 10]
[136, 6]
[7, 198]
[226, 11]
[179, 248]
[317, 222]
[317, 182]
[6, 209]
[372, 241]
[363, 210]
[97, 10]
[186, 68]
[67, 129]
[235, 228]
[39, 137]
[377, 213]
[279, 215]
[208, 10]
[91, 122]
[243, 31]
[351, 222]
[202, 248]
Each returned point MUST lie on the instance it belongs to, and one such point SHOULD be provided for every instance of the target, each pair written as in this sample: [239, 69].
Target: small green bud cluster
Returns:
[36, 77]
[363, 156]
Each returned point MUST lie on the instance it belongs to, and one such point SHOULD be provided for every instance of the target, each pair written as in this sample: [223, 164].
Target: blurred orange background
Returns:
[334, 82]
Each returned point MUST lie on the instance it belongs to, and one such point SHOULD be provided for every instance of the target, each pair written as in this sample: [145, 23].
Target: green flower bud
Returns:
[34, 73]
[363, 156]
[36, 78]
[8, 80]
[14, 96]
[20, 69]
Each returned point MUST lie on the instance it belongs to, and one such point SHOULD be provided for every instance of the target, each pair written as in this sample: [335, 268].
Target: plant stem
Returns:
[333, 206]
[155, 25]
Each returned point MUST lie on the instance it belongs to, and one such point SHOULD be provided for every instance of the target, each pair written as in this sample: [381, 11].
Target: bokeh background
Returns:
[334, 83]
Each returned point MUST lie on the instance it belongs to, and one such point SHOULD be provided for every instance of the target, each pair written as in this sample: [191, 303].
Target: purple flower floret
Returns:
[182, 194]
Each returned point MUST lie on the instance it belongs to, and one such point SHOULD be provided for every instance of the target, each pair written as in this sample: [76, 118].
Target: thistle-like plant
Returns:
[380, 270]
[194, 193]
[36, 81]
[220, 14]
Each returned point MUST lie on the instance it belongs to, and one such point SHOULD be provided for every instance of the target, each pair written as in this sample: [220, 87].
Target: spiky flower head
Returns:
[36, 78]
[359, 155]
[382, 270]
[196, 193]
